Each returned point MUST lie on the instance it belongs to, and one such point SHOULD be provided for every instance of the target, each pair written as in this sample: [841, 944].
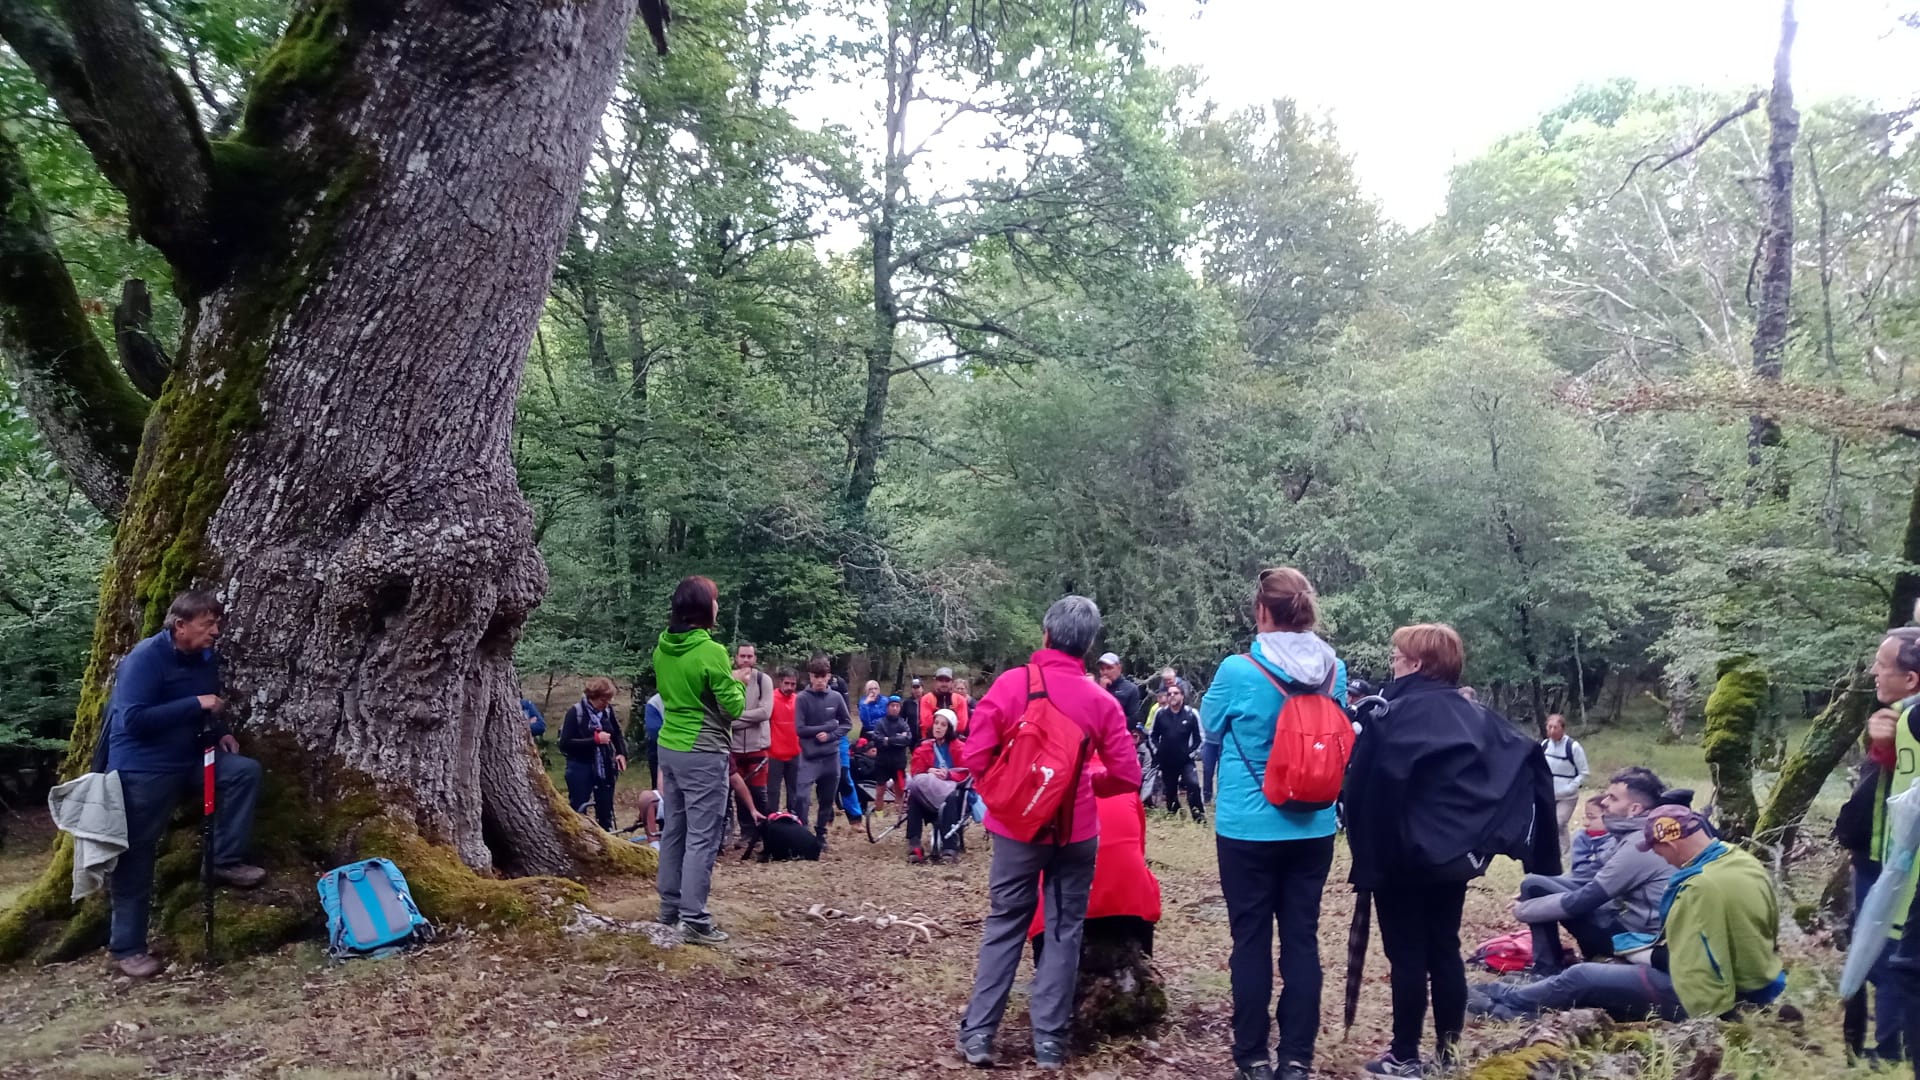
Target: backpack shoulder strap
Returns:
[1036, 683]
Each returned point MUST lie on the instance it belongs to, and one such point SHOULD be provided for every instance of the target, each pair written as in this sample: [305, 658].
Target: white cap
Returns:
[944, 673]
[1109, 659]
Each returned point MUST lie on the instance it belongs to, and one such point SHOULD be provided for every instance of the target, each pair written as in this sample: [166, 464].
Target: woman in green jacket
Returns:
[700, 698]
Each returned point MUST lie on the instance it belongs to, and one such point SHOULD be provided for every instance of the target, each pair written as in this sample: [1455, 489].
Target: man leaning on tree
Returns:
[165, 694]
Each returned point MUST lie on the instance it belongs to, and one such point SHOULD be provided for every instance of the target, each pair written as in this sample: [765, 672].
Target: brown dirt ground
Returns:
[790, 997]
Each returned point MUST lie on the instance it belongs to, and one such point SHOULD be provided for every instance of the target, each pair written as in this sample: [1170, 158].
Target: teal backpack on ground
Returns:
[370, 911]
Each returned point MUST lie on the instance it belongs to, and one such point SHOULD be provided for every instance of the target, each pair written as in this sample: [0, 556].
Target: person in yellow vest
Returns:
[1894, 745]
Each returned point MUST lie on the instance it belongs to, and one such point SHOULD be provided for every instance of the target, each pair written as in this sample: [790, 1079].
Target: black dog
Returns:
[784, 837]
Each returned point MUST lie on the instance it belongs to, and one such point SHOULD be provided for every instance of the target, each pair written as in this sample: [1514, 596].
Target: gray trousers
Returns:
[693, 800]
[1013, 892]
[819, 790]
[784, 775]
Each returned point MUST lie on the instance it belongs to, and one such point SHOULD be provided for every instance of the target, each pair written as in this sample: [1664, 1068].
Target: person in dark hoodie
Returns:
[1619, 908]
[1436, 788]
[596, 750]
[893, 734]
[821, 719]
[1176, 738]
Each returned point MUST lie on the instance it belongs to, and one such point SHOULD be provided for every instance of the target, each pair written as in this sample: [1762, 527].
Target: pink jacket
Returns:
[1079, 697]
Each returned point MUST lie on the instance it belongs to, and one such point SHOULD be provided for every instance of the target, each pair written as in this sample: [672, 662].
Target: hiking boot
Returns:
[239, 875]
[139, 966]
[976, 1050]
[1262, 1071]
[703, 934]
[1388, 1065]
[917, 856]
[1294, 1070]
[1050, 1055]
[949, 857]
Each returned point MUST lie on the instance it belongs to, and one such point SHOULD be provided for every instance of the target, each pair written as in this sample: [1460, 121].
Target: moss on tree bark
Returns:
[1733, 715]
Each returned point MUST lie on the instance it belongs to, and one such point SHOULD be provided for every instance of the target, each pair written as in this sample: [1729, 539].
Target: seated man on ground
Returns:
[1619, 900]
[166, 694]
[1719, 950]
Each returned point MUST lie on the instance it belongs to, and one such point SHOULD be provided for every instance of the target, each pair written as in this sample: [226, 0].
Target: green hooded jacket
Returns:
[699, 697]
[1721, 923]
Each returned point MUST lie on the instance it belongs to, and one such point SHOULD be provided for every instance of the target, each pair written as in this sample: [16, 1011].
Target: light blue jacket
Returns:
[1239, 712]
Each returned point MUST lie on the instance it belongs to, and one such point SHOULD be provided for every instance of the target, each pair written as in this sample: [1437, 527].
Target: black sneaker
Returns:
[1262, 1071]
[1388, 1065]
[703, 934]
[1050, 1055]
[976, 1050]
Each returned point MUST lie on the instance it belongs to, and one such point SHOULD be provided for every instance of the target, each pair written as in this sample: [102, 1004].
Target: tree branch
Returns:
[142, 357]
[91, 417]
[111, 80]
[1752, 103]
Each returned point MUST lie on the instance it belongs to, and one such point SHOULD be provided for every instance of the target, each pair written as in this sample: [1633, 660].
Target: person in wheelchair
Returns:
[937, 791]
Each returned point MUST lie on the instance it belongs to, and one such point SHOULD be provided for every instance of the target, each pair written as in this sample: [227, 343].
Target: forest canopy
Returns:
[1138, 346]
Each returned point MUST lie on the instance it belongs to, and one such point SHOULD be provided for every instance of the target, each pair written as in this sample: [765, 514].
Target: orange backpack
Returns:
[1035, 774]
[1312, 741]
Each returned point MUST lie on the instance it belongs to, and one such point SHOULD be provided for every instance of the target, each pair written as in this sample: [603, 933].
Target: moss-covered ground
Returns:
[791, 997]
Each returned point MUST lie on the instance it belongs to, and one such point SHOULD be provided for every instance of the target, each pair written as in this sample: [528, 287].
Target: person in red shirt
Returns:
[783, 744]
[1014, 887]
[944, 696]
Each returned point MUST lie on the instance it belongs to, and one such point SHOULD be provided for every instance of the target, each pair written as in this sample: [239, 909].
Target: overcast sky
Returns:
[1416, 86]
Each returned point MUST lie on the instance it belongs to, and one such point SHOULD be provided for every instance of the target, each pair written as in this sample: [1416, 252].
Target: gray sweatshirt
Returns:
[815, 711]
[1631, 882]
[751, 733]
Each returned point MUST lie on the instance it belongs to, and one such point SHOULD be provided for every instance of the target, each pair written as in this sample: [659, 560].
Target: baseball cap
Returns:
[916, 681]
[1109, 659]
[894, 698]
[944, 673]
[1668, 823]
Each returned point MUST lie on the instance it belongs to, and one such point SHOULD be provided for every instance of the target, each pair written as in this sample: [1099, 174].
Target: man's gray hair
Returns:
[191, 605]
[1072, 625]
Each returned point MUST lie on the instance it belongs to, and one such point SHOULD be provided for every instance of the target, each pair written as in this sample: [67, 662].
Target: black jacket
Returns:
[1440, 786]
[1176, 736]
[893, 734]
[1853, 826]
[1128, 695]
[576, 738]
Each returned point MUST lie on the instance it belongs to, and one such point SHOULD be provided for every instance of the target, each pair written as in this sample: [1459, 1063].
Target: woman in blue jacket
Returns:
[1273, 862]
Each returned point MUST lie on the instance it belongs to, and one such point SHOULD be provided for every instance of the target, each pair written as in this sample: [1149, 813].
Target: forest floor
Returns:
[791, 996]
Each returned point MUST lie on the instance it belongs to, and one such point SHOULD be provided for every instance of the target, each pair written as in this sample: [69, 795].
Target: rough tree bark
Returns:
[1733, 715]
[1775, 262]
[332, 451]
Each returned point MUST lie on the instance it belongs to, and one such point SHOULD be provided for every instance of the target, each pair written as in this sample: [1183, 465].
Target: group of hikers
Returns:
[1429, 784]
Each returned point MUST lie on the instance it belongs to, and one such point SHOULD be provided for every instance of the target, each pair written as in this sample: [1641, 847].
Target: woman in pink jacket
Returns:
[1070, 628]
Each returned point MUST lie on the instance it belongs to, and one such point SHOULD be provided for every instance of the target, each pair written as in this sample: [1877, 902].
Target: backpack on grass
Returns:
[1033, 780]
[1505, 954]
[1312, 742]
[370, 911]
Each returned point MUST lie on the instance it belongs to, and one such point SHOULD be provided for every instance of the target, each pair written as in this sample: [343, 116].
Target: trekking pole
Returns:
[208, 741]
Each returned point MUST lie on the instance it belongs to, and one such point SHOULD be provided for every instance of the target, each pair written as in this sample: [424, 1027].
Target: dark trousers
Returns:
[944, 819]
[150, 799]
[1176, 773]
[653, 763]
[1209, 766]
[783, 775]
[584, 787]
[1269, 883]
[1593, 931]
[1628, 992]
[1889, 1003]
[1420, 933]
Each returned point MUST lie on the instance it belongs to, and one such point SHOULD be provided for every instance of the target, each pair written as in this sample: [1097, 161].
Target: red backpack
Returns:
[1505, 954]
[1312, 740]
[1035, 774]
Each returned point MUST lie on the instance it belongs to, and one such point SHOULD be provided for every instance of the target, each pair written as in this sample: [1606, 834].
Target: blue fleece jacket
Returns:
[1239, 712]
[154, 716]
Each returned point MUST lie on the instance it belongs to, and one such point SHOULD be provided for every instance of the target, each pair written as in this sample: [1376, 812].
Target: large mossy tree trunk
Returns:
[1832, 733]
[331, 453]
[1733, 716]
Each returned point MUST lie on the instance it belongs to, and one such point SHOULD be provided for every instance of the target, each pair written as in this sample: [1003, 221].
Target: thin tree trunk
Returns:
[1776, 263]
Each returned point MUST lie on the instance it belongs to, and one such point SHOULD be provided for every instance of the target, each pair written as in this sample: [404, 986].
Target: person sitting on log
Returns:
[1718, 953]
